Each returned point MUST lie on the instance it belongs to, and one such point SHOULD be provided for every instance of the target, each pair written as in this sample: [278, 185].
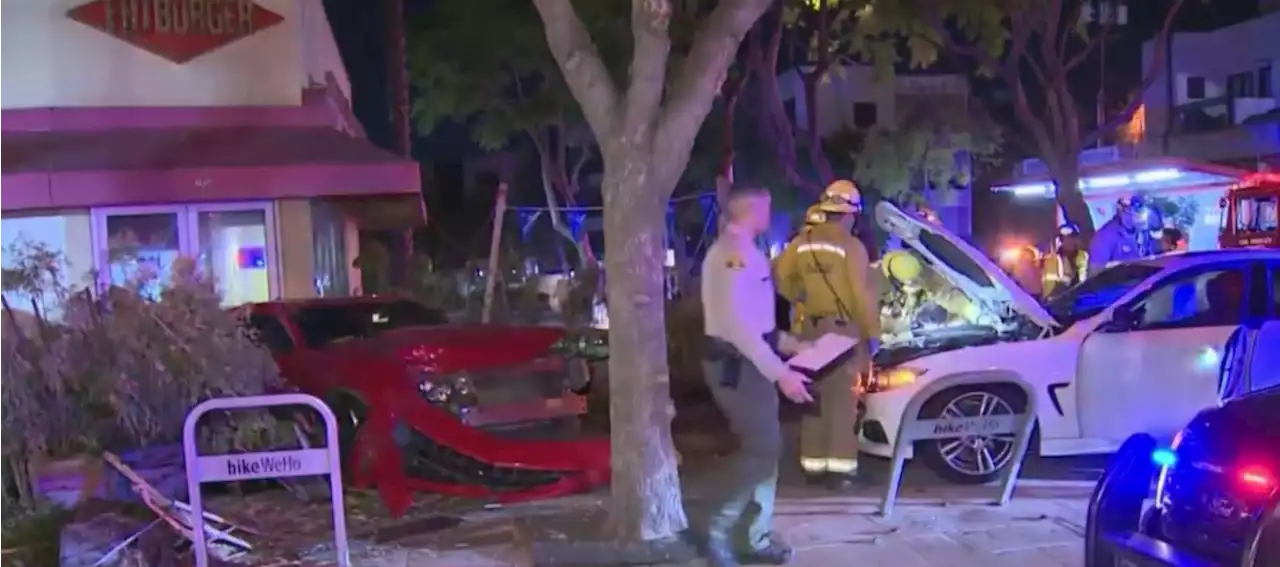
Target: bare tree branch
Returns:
[1050, 16]
[1148, 78]
[1103, 35]
[703, 71]
[575, 174]
[580, 61]
[650, 23]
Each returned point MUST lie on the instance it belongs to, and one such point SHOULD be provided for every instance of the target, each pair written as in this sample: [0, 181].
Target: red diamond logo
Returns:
[177, 30]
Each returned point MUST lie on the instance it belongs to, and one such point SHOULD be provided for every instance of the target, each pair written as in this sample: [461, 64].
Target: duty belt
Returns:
[720, 351]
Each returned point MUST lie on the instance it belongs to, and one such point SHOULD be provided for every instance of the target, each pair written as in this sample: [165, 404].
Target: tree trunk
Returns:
[817, 156]
[647, 502]
[397, 76]
[398, 87]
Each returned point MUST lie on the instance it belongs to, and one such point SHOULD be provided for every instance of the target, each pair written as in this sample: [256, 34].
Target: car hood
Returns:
[964, 266]
[452, 348]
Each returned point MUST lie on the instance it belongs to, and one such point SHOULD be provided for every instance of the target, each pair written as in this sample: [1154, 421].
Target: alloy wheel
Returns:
[976, 455]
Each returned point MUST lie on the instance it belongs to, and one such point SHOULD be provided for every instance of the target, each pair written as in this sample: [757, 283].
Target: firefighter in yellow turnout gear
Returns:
[920, 296]
[1067, 265]
[814, 216]
[825, 269]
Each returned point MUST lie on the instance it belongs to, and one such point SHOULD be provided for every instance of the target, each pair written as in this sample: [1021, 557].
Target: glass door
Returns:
[137, 246]
[234, 243]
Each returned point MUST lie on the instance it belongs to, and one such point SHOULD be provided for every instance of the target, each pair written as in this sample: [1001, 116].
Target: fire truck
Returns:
[1249, 213]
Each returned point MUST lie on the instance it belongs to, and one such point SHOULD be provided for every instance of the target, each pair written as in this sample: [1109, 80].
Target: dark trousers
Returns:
[741, 503]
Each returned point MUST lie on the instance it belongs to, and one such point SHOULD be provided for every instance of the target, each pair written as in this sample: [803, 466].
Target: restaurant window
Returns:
[1241, 85]
[1195, 88]
[328, 235]
[65, 235]
[1264, 82]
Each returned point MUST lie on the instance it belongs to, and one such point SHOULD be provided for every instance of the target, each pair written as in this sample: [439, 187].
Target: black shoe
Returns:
[776, 552]
[720, 554]
[840, 482]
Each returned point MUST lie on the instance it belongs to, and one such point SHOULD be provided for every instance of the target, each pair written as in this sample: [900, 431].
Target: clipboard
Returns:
[829, 351]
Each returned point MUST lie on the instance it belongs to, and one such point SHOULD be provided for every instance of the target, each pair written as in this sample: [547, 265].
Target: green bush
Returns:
[85, 372]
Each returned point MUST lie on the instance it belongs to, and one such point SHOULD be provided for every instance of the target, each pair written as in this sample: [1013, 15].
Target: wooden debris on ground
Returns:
[179, 516]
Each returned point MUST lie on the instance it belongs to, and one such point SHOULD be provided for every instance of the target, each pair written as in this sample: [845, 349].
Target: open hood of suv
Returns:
[963, 265]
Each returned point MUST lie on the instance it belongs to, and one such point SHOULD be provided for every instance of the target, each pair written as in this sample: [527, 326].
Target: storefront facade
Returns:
[137, 132]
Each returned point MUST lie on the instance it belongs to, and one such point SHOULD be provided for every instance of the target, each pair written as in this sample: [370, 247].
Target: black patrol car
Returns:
[1216, 493]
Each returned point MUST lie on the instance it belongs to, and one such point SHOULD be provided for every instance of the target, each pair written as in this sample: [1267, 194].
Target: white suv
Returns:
[1135, 348]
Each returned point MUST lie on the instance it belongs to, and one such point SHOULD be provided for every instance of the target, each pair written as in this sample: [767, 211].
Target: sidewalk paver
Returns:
[942, 526]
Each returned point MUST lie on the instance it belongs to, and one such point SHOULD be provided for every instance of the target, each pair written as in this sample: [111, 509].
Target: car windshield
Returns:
[1090, 297]
[326, 324]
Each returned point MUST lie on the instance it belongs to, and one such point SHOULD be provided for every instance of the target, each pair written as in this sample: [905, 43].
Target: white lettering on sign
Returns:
[965, 427]
[248, 466]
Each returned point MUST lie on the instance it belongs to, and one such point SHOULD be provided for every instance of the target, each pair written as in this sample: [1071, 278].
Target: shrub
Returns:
[88, 372]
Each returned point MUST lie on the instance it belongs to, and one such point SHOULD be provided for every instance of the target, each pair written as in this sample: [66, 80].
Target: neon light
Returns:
[1164, 457]
[1156, 175]
[1109, 181]
[1101, 182]
[1031, 189]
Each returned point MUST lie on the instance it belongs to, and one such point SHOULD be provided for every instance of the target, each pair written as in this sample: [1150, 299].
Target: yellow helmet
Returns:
[841, 197]
[814, 216]
[901, 265]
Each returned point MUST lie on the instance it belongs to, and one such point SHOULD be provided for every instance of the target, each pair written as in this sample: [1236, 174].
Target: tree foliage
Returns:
[485, 64]
[934, 141]
[883, 33]
[1042, 47]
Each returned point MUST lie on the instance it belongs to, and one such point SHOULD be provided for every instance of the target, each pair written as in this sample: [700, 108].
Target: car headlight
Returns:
[453, 392]
[882, 379]
[1166, 459]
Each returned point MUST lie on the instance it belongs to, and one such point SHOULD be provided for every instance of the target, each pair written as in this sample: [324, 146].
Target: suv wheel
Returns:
[976, 459]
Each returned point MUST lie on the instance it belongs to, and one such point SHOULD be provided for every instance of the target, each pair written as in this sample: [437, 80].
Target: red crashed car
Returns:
[422, 403]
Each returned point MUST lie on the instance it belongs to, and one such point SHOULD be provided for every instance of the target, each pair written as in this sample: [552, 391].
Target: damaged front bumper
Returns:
[407, 446]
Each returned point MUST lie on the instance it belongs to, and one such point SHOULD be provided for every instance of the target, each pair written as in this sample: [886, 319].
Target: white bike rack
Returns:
[915, 429]
[270, 464]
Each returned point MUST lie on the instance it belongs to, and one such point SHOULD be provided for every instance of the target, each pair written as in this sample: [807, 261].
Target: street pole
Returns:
[1102, 87]
[495, 248]
[1106, 13]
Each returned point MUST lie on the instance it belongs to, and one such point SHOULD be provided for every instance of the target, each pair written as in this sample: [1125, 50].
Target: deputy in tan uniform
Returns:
[826, 269]
[742, 363]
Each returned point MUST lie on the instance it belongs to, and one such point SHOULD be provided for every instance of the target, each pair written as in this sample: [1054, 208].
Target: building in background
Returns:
[854, 98]
[1209, 118]
[1216, 99]
[135, 133]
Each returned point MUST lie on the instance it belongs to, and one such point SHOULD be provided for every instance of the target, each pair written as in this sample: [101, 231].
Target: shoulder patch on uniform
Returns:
[735, 261]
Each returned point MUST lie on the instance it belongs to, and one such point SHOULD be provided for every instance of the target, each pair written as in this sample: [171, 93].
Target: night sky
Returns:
[358, 28]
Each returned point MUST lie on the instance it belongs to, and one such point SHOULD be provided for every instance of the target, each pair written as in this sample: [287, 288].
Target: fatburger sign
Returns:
[177, 30]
